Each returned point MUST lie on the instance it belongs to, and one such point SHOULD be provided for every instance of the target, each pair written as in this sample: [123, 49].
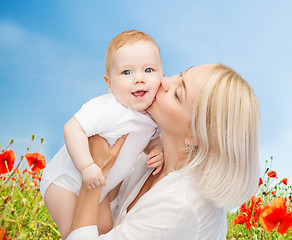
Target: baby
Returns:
[133, 75]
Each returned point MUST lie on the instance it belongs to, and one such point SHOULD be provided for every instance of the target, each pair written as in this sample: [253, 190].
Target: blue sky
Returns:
[52, 59]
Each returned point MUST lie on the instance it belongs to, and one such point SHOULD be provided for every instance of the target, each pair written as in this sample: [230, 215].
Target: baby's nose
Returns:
[139, 78]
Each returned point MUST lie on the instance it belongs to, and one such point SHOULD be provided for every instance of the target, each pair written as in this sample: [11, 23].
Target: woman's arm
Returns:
[86, 212]
[162, 215]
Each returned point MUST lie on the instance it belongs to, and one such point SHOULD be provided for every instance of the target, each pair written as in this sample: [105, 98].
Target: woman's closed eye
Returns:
[176, 94]
[127, 72]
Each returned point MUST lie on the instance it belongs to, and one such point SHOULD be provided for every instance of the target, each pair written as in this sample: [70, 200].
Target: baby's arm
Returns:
[77, 145]
[154, 150]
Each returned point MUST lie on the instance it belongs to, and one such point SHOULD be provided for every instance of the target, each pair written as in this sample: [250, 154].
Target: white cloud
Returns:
[41, 59]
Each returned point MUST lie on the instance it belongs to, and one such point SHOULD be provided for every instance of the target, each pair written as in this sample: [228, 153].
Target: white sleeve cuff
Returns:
[88, 233]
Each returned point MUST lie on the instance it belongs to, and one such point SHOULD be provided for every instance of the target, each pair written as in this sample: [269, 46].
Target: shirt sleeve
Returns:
[94, 116]
[156, 134]
[88, 233]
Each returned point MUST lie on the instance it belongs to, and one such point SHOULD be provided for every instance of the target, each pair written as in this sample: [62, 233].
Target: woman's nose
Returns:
[168, 82]
[165, 83]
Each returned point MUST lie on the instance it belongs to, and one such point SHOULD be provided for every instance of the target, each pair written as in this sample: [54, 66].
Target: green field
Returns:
[23, 214]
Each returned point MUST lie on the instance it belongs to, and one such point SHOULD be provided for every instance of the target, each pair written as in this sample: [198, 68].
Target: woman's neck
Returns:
[174, 149]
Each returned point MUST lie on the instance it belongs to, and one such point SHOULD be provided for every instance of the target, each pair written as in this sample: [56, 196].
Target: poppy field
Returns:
[23, 215]
[267, 214]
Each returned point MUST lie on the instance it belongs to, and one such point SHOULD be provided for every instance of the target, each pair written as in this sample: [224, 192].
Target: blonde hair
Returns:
[126, 37]
[225, 123]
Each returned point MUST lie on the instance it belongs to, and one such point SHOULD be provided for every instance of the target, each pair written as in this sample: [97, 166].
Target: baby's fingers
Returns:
[154, 153]
[154, 165]
[155, 159]
[89, 186]
[157, 170]
[95, 185]
[102, 181]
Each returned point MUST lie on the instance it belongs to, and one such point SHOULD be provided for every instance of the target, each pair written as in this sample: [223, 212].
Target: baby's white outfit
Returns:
[106, 117]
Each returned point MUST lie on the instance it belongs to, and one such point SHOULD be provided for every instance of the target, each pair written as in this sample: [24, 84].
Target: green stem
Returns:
[21, 158]
[11, 141]
[32, 138]
[41, 147]
[6, 165]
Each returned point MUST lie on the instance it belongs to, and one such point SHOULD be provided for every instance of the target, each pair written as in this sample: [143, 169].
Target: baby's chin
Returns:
[143, 110]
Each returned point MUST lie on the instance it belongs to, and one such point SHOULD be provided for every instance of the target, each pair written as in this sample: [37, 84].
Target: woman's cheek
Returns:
[168, 110]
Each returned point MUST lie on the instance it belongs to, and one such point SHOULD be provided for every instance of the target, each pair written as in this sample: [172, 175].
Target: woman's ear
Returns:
[190, 141]
[108, 82]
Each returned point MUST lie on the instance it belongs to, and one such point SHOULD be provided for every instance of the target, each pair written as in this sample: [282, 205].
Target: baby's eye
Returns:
[126, 72]
[149, 70]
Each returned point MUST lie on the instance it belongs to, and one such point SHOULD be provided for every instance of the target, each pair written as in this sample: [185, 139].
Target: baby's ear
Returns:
[108, 82]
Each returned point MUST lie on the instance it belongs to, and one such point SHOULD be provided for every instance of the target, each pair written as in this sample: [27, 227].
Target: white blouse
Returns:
[170, 210]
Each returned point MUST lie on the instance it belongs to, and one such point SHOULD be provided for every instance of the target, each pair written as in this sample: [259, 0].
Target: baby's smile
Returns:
[139, 94]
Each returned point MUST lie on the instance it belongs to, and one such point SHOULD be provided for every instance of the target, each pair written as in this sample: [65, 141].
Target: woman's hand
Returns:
[86, 212]
[103, 154]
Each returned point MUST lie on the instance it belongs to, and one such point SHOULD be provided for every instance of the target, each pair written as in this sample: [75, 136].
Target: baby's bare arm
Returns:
[77, 144]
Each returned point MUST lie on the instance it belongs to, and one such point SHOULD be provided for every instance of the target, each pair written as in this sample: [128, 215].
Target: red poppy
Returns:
[284, 181]
[6, 200]
[240, 219]
[35, 183]
[250, 213]
[7, 159]
[3, 235]
[36, 161]
[273, 192]
[275, 214]
[2, 178]
[272, 174]
[260, 181]
[286, 224]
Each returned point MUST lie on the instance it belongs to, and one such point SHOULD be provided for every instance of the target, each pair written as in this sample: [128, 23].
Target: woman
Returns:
[209, 120]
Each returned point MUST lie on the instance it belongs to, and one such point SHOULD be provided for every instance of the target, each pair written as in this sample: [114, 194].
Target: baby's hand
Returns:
[92, 177]
[156, 160]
